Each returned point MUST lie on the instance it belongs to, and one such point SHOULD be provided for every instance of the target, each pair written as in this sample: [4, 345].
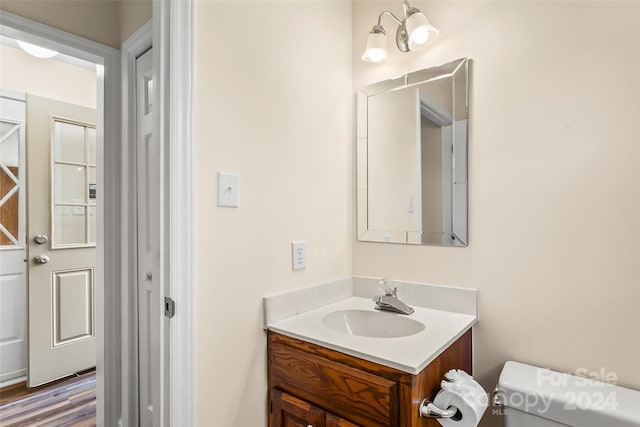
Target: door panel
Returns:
[13, 277]
[289, 411]
[61, 290]
[73, 317]
[13, 315]
[150, 315]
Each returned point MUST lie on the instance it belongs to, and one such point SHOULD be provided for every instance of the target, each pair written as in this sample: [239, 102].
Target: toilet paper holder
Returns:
[428, 410]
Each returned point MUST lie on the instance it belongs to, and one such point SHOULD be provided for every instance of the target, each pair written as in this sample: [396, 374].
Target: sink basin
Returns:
[375, 324]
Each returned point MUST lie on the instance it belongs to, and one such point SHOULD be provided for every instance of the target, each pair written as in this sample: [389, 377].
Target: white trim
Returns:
[161, 120]
[53, 38]
[10, 93]
[12, 381]
[174, 62]
[132, 48]
[109, 202]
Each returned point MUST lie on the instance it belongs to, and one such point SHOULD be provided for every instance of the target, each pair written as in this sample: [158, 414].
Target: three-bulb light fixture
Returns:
[414, 32]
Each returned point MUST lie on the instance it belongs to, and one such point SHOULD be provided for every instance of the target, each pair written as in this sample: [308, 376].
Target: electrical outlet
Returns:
[298, 255]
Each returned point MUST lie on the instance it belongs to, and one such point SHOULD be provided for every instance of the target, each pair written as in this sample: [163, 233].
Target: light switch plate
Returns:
[228, 189]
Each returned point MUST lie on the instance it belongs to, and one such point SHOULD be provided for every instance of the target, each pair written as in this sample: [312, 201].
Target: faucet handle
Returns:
[385, 287]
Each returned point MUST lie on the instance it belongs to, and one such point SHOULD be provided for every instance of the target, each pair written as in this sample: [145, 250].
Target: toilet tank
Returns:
[538, 397]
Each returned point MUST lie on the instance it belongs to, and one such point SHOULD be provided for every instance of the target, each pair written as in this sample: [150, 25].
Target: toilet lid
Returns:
[567, 399]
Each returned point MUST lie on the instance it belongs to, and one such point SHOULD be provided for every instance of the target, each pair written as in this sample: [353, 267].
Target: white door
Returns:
[13, 277]
[150, 304]
[61, 159]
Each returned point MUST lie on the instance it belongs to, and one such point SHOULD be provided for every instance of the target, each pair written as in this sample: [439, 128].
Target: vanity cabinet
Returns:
[289, 411]
[314, 385]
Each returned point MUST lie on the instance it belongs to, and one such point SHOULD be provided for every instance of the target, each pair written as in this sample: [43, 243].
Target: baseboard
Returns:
[13, 383]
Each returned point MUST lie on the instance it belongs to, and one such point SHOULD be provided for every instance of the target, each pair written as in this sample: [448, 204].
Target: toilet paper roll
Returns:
[471, 401]
[459, 376]
[462, 388]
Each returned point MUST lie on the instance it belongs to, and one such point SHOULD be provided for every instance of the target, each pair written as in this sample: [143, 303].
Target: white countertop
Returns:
[409, 354]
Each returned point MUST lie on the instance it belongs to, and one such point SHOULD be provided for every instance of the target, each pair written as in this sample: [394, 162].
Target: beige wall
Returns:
[431, 174]
[392, 156]
[108, 22]
[554, 180]
[133, 14]
[274, 104]
[48, 78]
[92, 19]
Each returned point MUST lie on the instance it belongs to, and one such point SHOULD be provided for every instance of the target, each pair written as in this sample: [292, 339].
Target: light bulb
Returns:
[419, 30]
[374, 55]
[37, 51]
[421, 36]
[376, 49]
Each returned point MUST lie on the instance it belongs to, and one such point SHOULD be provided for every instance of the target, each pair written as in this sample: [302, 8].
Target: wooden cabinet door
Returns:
[335, 421]
[289, 411]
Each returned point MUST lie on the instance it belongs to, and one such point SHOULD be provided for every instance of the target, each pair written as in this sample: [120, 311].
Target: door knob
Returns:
[41, 259]
[41, 239]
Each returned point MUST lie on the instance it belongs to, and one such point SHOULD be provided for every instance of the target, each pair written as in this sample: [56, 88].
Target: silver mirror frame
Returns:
[444, 71]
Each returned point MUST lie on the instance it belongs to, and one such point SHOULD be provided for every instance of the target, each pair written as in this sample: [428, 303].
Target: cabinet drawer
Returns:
[288, 411]
[361, 397]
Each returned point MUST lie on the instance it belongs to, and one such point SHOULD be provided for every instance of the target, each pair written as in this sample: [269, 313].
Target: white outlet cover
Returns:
[228, 189]
[298, 255]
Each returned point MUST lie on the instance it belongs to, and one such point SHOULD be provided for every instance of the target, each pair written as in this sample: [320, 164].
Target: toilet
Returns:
[537, 397]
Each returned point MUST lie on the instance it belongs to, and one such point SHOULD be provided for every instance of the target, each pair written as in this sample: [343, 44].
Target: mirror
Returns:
[412, 157]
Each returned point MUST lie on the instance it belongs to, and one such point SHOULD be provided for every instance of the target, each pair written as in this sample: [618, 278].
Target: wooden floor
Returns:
[69, 402]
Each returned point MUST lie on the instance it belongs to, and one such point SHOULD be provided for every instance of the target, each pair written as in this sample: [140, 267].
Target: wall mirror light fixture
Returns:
[414, 32]
[412, 157]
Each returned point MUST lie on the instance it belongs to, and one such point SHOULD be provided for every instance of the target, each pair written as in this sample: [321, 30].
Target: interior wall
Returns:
[431, 174]
[133, 14]
[48, 78]
[108, 22]
[274, 107]
[554, 187]
[96, 20]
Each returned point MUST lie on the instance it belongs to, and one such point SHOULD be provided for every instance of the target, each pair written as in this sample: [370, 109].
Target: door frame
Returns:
[138, 43]
[170, 33]
[109, 237]
[173, 43]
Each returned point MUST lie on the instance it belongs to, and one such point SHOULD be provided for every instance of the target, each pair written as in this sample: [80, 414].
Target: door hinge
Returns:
[169, 307]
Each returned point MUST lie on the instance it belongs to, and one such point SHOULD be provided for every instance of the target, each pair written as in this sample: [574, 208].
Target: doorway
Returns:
[49, 214]
[115, 273]
[81, 148]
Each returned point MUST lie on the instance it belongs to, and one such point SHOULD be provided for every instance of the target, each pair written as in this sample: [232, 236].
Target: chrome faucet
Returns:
[389, 301]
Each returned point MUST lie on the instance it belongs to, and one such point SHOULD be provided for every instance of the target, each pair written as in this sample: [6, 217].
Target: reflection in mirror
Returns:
[412, 158]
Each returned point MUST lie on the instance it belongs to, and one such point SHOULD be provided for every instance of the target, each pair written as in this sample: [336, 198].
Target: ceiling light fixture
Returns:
[37, 51]
[413, 33]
